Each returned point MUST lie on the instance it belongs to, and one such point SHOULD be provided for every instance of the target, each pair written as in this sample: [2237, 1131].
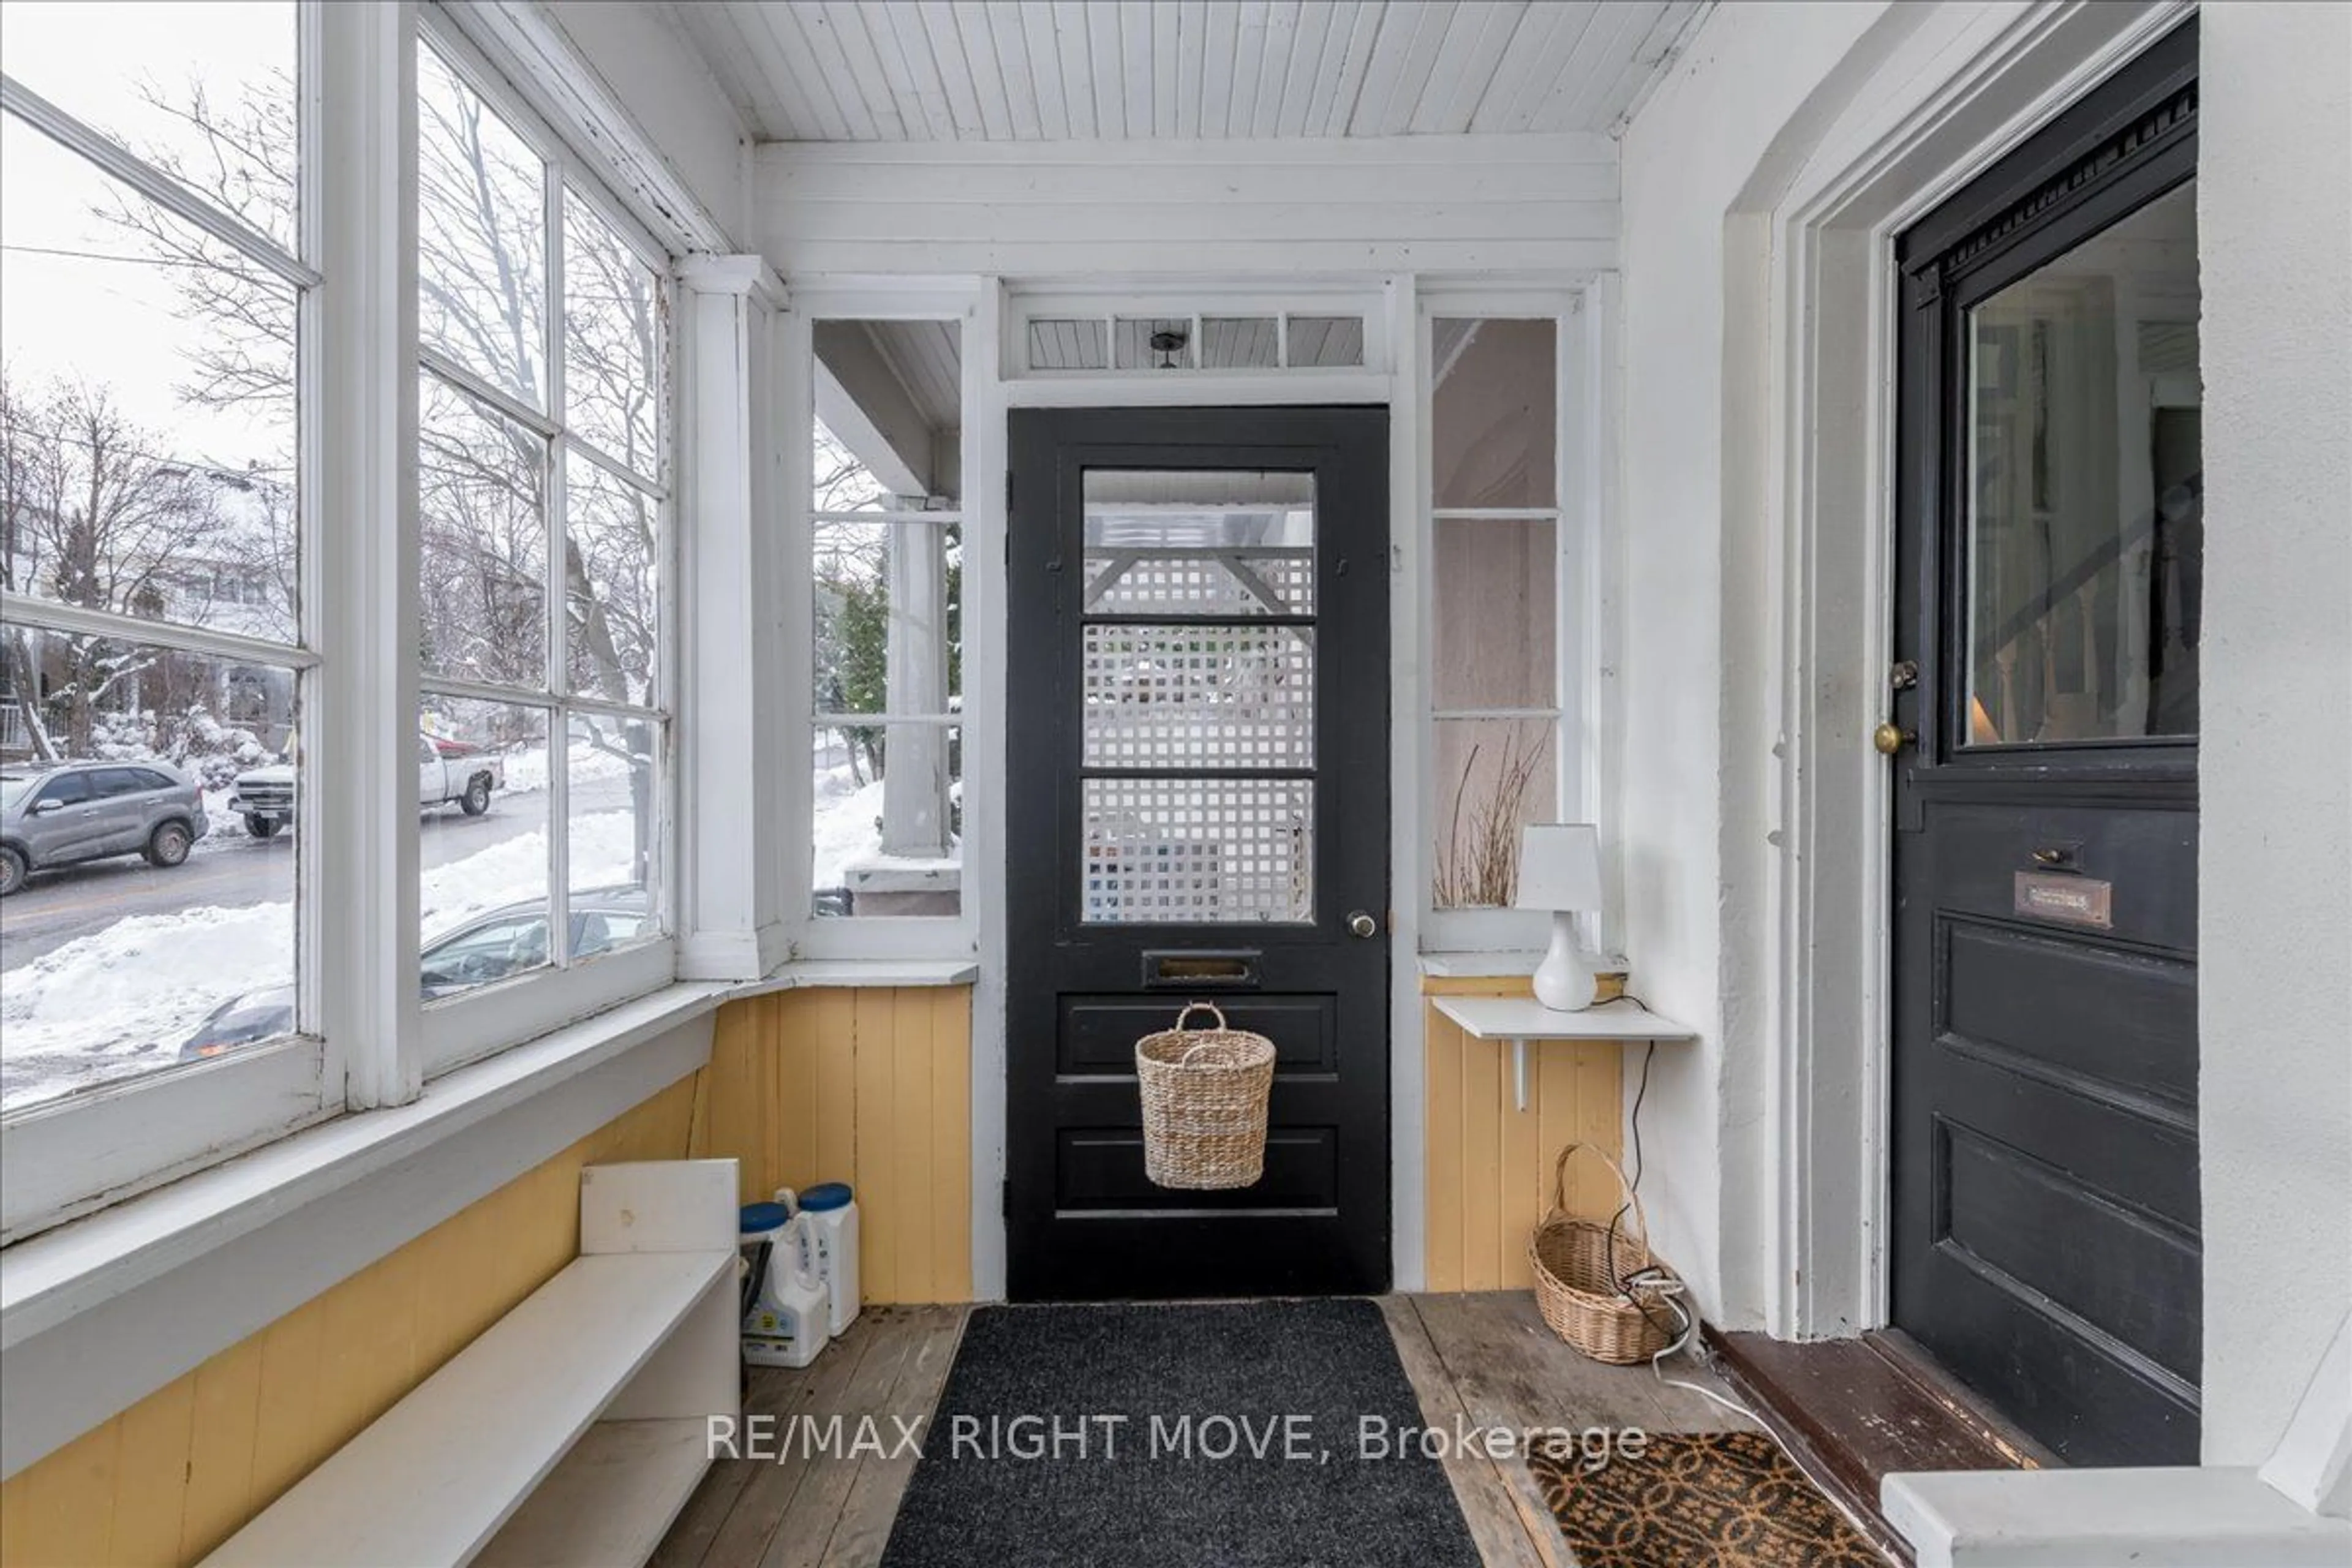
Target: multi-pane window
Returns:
[544, 551]
[154, 640]
[886, 555]
[1502, 571]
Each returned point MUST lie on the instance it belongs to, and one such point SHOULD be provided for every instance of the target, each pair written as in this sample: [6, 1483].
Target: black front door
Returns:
[2046, 1244]
[1198, 738]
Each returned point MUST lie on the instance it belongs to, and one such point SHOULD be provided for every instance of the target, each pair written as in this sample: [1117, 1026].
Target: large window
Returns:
[544, 554]
[156, 270]
[1506, 586]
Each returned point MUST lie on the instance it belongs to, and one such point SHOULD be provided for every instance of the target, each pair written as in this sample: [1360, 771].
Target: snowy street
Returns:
[176, 944]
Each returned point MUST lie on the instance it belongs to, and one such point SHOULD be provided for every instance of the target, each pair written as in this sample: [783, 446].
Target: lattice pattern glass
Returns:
[1231, 697]
[1232, 583]
[1199, 851]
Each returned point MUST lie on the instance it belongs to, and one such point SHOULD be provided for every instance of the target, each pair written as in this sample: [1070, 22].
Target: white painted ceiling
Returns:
[1026, 70]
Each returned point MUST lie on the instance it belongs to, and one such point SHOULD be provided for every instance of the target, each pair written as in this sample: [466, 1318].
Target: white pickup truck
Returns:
[446, 770]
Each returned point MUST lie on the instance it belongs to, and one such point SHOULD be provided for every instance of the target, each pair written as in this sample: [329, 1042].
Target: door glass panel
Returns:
[2086, 504]
[1198, 665]
[1199, 851]
[1194, 543]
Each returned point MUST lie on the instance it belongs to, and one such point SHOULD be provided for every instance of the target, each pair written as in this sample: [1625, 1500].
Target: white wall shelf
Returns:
[1519, 1020]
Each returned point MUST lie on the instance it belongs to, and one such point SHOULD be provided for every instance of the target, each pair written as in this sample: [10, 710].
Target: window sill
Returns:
[102, 1310]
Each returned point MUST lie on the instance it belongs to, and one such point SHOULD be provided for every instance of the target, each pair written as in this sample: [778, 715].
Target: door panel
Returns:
[1197, 762]
[2046, 1243]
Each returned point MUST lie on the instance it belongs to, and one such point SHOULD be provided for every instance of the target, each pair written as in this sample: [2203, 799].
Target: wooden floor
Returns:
[1486, 1360]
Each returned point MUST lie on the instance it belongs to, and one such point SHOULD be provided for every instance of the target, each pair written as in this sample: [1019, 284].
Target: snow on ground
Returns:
[509, 873]
[849, 825]
[138, 988]
[525, 769]
[131, 993]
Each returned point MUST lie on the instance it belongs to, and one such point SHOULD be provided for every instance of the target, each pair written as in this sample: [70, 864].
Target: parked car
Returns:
[63, 814]
[492, 946]
[446, 770]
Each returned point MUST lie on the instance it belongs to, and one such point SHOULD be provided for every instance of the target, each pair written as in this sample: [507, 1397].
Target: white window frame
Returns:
[979, 512]
[1205, 300]
[63, 1156]
[367, 1042]
[479, 1023]
[1580, 514]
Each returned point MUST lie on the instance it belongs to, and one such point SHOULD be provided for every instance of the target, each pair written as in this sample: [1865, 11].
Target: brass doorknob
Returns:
[1891, 738]
[1361, 924]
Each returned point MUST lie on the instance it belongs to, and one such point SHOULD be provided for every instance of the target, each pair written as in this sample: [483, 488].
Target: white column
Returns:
[730, 701]
[358, 722]
[915, 786]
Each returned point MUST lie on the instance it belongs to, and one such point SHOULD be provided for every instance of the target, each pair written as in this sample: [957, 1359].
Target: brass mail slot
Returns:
[2072, 901]
[1178, 969]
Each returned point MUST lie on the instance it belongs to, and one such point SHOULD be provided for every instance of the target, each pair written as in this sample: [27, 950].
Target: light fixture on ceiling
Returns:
[1169, 343]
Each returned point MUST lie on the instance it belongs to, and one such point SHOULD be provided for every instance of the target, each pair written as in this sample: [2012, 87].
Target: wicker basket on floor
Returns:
[1578, 1264]
[1204, 1095]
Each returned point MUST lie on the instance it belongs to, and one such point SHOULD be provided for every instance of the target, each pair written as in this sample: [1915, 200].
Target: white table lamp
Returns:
[1559, 870]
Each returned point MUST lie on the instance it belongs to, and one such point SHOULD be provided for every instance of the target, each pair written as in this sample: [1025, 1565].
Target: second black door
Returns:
[1197, 740]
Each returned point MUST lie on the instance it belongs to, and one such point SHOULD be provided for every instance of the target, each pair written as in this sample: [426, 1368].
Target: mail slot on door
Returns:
[1193, 969]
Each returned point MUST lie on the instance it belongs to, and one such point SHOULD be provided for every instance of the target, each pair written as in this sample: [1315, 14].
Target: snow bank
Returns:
[140, 986]
[525, 769]
[131, 993]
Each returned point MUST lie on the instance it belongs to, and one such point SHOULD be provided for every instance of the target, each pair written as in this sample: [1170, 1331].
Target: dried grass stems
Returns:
[1478, 863]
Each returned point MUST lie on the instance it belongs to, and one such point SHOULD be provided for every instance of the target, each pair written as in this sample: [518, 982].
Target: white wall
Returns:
[2274, 1002]
[1689, 623]
[1703, 646]
[1428, 204]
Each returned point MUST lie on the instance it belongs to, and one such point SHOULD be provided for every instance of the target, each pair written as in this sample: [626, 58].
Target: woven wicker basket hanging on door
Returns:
[1578, 1264]
[1205, 1094]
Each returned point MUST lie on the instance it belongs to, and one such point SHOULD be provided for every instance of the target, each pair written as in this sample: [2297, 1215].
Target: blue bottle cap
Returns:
[830, 1195]
[761, 1217]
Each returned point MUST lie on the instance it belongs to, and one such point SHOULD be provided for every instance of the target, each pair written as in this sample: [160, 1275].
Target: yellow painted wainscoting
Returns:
[176, 1474]
[1490, 1163]
[872, 1087]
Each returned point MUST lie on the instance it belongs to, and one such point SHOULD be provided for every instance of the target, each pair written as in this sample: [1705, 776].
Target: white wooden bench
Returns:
[574, 1429]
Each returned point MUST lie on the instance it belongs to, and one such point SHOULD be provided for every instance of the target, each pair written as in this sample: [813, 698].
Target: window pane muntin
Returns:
[481, 235]
[482, 541]
[614, 316]
[112, 966]
[171, 362]
[204, 93]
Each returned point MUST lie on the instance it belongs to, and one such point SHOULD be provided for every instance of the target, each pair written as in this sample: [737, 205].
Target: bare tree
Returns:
[94, 519]
[483, 503]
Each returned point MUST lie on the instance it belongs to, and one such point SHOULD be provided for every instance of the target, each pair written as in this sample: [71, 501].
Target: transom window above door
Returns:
[1127, 338]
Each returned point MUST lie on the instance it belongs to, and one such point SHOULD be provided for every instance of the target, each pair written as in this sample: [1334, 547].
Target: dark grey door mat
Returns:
[1293, 1381]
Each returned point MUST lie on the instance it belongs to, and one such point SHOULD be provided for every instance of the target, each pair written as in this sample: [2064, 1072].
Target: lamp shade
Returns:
[1560, 866]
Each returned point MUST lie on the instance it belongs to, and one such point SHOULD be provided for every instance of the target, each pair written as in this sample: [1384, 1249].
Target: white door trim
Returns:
[1822, 219]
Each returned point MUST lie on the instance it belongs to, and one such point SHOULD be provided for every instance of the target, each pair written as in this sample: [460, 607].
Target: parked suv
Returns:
[86, 811]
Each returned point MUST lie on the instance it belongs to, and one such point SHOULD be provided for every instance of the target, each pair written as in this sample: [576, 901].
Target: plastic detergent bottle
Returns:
[829, 1214]
[784, 1314]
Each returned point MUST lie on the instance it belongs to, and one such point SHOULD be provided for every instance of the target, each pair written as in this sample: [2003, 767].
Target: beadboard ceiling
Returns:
[1052, 70]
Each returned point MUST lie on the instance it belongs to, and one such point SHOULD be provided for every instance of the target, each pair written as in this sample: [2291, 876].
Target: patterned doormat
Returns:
[1701, 1500]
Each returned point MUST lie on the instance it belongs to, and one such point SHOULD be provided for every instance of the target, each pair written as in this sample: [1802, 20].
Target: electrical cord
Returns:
[1651, 1283]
